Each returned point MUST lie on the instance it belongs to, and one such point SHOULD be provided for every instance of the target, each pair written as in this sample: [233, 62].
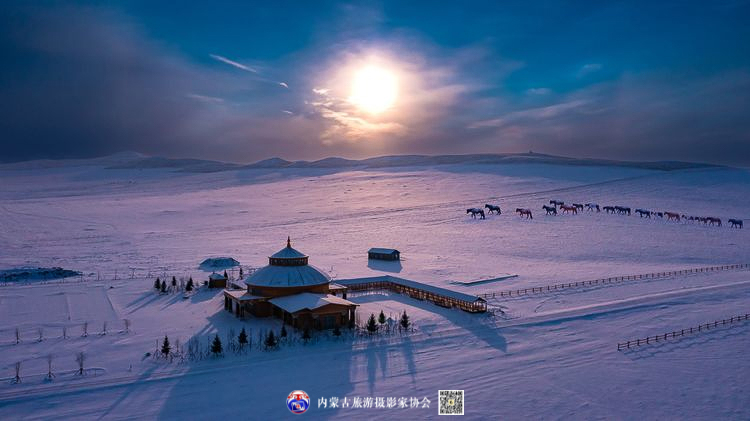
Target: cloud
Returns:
[538, 91]
[233, 63]
[206, 98]
[589, 68]
[428, 88]
[82, 81]
[532, 115]
[649, 116]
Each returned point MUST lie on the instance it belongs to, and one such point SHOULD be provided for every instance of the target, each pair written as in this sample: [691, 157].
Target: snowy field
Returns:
[549, 356]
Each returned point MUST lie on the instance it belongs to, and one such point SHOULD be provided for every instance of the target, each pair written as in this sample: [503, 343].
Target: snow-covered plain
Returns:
[550, 356]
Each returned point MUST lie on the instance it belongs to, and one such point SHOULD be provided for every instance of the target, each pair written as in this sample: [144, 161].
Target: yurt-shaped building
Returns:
[293, 290]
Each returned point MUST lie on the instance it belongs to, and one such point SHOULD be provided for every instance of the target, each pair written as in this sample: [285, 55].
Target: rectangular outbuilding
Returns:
[378, 253]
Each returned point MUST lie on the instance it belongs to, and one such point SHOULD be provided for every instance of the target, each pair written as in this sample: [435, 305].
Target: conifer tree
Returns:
[405, 322]
[336, 331]
[189, 286]
[372, 325]
[165, 347]
[216, 345]
[270, 340]
[157, 284]
[381, 318]
[283, 331]
[306, 334]
[225, 274]
[242, 339]
[174, 281]
[163, 286]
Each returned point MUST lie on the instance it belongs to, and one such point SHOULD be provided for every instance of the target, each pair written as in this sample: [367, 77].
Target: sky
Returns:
[244, 81]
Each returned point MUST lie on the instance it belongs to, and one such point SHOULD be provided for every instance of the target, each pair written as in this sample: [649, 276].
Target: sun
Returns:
[374, 89]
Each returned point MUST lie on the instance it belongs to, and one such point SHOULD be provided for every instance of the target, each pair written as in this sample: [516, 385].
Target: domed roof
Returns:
[288, 252]
[288, 276]
[288, 268]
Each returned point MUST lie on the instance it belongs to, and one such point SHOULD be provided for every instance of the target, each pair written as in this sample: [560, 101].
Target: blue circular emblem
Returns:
[298, 402]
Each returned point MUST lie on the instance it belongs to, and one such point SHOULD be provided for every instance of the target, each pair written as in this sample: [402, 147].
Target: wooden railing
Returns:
[604, 281]
[680, 333]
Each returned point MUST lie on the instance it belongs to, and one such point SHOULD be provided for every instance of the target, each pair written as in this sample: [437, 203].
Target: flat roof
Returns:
[307, 301]
[382, 250]
[241, 295]
[413, 284]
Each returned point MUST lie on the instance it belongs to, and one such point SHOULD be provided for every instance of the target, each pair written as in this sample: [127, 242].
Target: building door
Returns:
[329, 322]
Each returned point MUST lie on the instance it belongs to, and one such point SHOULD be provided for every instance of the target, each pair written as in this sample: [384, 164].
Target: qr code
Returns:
[451, 402]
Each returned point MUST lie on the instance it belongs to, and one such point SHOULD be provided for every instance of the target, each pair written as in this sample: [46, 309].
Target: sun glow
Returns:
[374, 89]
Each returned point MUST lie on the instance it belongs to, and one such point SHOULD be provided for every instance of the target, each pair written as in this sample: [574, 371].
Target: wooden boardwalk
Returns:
[417, 290]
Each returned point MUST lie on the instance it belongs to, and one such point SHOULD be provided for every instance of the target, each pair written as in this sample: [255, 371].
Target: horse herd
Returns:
[558, 206]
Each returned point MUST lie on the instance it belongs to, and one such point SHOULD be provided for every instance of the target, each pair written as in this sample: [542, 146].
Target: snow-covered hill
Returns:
[550, 356]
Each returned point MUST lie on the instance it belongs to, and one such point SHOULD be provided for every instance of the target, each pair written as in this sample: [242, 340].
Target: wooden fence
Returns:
[679, 333]
[604, 281]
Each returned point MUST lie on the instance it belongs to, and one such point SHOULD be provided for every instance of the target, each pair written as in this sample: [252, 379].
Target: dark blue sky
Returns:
[241, 81]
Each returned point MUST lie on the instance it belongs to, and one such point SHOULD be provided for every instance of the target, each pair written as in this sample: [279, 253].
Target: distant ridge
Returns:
[133, 160]
[469, 159]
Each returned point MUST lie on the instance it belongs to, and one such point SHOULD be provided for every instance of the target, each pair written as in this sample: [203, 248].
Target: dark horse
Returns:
[735, 223]
[643, 212]
[494, 208]
[524, 212]
[475, 211]
[622, 210]
[578, 206]
[609, 209]
[551, 210]
[556, 202]
[711, 221]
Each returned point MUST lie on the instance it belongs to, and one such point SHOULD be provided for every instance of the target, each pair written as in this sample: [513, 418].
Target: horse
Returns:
[609, 209]
[494, 208]
[713, 221]
[556, 202]
[566, 209]
[524, 212]
[735, 223]
[672, 216]
[659, 214]
[578, 206]
[551, 210]
[592, 206]
[643, 212]
[474, 212]
[622, 210]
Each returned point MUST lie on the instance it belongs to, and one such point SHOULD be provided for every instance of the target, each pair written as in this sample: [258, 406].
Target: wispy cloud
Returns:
[538, 91]
[589, 68]
[534, 114]
[345, 123]
[233, 63]
[206, 98]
